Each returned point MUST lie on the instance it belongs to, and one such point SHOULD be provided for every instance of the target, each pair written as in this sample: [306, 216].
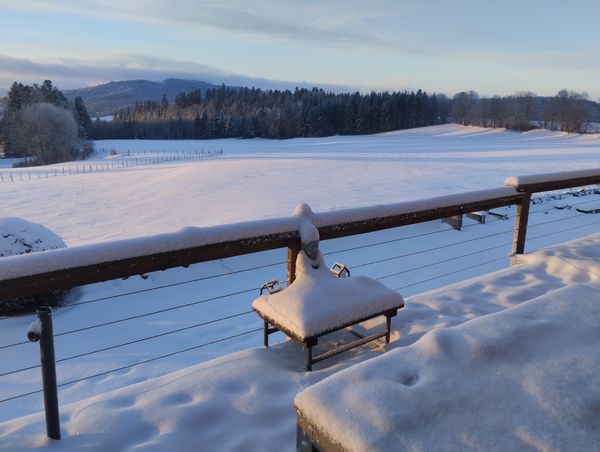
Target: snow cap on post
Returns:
[34, 332]
[309, 235]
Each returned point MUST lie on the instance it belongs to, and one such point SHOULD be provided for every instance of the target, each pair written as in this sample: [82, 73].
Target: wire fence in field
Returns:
[398, 258]
[114, 161]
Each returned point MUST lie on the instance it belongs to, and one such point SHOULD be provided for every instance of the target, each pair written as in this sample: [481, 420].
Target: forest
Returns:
[225, 112]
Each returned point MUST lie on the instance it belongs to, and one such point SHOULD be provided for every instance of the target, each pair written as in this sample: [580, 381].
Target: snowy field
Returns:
[266, 178]
[165, 313]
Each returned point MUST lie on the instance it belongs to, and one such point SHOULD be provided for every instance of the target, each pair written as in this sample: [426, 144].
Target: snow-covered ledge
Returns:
[511, 380]
[546, 181]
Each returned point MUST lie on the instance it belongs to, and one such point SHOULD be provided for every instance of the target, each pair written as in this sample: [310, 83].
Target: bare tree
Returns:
[46, 133]
[466, 108]
[568, 111]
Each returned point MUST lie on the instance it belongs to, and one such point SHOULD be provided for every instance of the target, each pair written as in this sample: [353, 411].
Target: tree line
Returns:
[40, 124]
[226, 112]
[567, 111]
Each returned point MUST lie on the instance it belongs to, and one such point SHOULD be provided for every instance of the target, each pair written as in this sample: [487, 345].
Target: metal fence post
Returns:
[42, 331]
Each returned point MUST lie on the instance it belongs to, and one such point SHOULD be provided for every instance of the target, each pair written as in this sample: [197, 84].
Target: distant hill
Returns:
[104, 99]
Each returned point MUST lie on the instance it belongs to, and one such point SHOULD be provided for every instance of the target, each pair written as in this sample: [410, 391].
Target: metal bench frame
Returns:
[308, 343]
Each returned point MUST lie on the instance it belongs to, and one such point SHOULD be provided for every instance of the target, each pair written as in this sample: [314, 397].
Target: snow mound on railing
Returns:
[515, 181]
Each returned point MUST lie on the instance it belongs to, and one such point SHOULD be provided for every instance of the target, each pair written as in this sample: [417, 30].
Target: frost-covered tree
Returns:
[46, 133]
[21, 96]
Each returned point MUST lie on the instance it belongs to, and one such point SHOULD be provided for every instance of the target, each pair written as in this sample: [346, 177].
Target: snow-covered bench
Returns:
[321, 302]
[525, 377]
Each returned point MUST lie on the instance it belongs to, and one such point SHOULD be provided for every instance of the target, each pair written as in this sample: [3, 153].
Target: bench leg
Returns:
[388, 325]
[308, 345]
[266, 334]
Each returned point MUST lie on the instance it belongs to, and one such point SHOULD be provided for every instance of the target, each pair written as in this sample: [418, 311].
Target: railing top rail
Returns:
[70, 267]
[536, 183]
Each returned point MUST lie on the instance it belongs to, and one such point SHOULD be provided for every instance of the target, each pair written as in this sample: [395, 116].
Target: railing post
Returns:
[292, 255]
[521, 225]
[42, 331]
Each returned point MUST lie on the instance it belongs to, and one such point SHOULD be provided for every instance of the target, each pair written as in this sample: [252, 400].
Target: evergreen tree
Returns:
[82, 118]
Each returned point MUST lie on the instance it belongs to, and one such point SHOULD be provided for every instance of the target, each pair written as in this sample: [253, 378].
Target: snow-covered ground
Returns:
[244, 401]
[256, 179]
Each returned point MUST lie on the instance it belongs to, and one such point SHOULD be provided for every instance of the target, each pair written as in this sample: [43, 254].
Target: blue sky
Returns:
[440, 46]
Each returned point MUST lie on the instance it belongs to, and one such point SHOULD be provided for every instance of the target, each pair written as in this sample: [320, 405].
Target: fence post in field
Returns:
[41, 330]
[521, 224]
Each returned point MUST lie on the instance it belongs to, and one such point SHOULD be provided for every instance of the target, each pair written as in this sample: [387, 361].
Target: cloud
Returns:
[327, 22]
[85, 72]
[67, 73]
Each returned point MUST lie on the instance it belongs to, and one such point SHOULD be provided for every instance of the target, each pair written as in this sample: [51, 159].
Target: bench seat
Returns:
[319, 302]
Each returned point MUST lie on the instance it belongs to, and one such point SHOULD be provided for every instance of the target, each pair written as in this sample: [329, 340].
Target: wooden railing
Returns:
[70, 267]
[528, 185]
[66, 268]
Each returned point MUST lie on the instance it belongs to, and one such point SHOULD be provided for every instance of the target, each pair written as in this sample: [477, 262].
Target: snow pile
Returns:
[579, 259]
[522, 378]
[18, 236]
[309, 235]
[180, 412]
[319, 301]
